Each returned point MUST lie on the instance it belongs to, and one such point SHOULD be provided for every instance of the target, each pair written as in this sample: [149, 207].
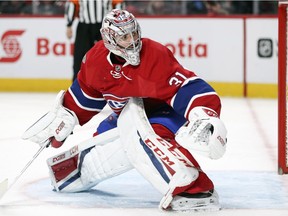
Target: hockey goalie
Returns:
[163, 114]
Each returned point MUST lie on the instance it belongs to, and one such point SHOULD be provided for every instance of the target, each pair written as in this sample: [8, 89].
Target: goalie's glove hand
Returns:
[56, 125]
[205, 133]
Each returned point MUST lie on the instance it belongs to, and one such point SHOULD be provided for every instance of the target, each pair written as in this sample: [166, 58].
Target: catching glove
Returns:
[205, 133]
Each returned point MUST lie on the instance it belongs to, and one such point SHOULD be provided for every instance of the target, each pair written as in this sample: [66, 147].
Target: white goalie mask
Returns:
[121, 34]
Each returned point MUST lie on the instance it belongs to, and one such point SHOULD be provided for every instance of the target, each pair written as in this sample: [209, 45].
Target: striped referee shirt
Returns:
[90, 11]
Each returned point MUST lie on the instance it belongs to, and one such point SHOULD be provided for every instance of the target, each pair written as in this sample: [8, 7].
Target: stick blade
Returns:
[3, 187]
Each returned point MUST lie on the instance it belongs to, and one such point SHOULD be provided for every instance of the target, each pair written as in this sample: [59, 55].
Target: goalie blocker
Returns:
[56, 125]
[108, 155]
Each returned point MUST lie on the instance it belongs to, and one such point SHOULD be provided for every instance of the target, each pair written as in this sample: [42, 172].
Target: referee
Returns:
[90, 14]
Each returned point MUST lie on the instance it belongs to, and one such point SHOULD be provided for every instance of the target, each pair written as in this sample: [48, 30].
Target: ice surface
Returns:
[246, 177]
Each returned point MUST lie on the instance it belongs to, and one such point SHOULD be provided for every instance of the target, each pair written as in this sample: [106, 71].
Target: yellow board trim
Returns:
[228, 89]
[55, 85]
[34, 85]
[253, 90]
[262, 90]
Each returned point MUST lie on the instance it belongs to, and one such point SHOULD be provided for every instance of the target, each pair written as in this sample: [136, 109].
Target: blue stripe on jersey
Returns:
[192, 89]
[84, 101]
[168, 118]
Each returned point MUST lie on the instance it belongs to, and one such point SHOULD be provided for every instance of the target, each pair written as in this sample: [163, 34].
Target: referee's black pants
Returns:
[86, 36]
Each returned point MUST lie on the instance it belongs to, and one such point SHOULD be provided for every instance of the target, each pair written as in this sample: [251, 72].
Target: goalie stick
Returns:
[4, 185]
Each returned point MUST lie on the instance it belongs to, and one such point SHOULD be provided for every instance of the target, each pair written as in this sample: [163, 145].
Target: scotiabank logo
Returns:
[187, 48]
[46, 47]
[11, 46]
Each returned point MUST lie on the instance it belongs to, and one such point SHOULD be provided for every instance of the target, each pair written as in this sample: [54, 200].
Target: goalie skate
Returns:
[200, 202]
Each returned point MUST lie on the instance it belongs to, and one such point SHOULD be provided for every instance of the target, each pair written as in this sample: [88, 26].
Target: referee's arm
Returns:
[71, 11]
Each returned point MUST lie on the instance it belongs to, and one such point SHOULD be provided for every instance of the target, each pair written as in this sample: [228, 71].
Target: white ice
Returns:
[246, 177]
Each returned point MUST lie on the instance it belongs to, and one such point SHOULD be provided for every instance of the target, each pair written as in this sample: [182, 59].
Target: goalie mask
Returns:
[121, 34]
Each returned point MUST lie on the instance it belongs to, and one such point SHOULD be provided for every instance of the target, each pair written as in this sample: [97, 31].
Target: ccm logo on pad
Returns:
[60, 127]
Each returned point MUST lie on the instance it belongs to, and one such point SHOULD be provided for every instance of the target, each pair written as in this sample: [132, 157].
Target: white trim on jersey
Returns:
[80, 105]
[193, 99]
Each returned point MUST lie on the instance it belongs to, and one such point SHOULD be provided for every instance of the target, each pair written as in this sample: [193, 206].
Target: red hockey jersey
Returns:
[159, 78]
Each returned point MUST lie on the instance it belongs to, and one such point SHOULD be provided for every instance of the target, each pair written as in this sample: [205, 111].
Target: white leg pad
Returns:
[104, 162]
[141, 144]
[81, 168]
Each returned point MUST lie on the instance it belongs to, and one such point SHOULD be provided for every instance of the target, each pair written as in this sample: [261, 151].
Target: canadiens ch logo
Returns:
[116, 103]
[116, 73]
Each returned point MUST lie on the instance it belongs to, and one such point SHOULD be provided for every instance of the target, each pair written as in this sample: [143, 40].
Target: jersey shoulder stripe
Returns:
[85, 101]
[191, 89]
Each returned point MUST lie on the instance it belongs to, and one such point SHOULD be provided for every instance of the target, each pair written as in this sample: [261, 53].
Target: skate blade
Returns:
[199, 209]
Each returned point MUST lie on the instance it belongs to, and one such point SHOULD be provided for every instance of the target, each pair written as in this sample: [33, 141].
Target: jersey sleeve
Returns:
[179, 87]
[82, 98]
[82, 102]
[186, 90]
[195, 92]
